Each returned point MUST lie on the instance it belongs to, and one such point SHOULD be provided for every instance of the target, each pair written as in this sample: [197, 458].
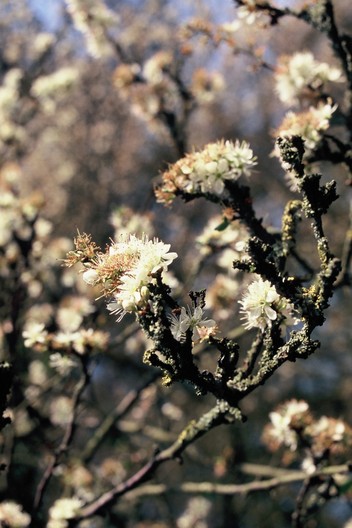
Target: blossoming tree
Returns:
[122, 361]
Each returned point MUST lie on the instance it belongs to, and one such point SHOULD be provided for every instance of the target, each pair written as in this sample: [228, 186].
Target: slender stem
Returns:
[282, 478]
[124, 406]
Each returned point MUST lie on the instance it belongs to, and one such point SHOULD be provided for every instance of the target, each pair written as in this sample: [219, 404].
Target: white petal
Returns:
[270, 313]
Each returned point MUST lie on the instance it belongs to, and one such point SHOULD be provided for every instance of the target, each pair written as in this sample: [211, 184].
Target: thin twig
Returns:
[346, 257]
[283, 478]
[300, 512]
[117, 413]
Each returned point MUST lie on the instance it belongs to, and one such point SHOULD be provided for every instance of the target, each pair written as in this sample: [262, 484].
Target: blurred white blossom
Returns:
[283, 421]
[62, 510]
[34, 334]
[13, 516]
[61, 410]
[62, 364]
[196, 514]
[93, 18]
[301, 72]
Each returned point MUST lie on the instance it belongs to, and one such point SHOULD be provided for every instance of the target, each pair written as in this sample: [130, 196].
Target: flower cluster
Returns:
[309, 124]
[296, 75]
[293, 426]
[155, 66]
[10, 129]
[247, 17]
[12, 515]
[125, 270]
[49, 88]
[17, 215]
[192, 320]
[261, 305]
[80, 341]
[207, 171]
[92, 18]
[62, 510]
[206, 85]
[330, 434]
[289, 418]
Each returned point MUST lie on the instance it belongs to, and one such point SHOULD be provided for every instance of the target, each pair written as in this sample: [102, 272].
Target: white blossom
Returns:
[90, 276]
[207, 171]
[93, 18]
[282, 420]
[261, 305]
[128, 268]
[309, 125]
[63, 510]
[62, 364]
[191, 319]
[12, 515]
[35, 333]
[299, 72]
[50, 85]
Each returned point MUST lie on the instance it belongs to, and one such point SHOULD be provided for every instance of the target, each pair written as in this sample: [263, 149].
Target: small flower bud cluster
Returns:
[207, 171]
[261, 305]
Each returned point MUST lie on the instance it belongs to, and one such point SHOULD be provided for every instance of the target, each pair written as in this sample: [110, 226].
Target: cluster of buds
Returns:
[206, 172]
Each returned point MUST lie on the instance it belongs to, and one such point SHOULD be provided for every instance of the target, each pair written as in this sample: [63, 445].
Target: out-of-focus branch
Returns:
[346, 257]
[283, 478]
[124, 406]
[222, 413]
[66, 440]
